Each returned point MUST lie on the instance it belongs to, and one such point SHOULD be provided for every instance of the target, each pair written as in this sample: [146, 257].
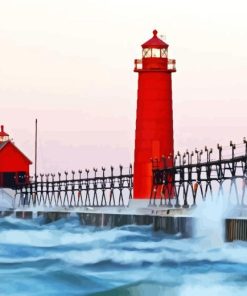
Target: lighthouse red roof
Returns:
[14, 149]
[155, 42]
[2, 132]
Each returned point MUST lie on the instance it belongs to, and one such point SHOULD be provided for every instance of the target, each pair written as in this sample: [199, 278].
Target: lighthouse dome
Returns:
[3, 135]
[155, 42]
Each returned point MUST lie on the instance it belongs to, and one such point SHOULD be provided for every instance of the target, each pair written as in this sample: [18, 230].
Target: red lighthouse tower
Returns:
[154, 120]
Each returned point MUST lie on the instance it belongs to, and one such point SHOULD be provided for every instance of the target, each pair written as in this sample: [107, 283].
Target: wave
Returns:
[129, 260]
[147, 288]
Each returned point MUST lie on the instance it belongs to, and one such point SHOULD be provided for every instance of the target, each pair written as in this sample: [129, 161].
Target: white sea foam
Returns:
[210, 216]
[48, 238]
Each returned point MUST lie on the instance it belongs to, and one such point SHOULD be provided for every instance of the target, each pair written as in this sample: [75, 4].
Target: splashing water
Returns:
[210, 226]
[66, 258]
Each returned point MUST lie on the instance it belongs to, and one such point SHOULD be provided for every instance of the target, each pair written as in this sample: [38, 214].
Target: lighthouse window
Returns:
[164, 53]
[4, 138]
[147, 52]
[155, 53]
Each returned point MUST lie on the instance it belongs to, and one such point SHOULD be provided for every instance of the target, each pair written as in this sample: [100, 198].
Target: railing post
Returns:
[95, 197]
[245, 142]
[66, 189]
[120, 184]
[209, 152]
[103, 185]
[188, 156]
[87, 188]
[198, 155]
[130, 183]
[47, 196]
[219, 147]
[79, 194]
[233, 146]
[184, 160]
[179, 156]
[112, 197]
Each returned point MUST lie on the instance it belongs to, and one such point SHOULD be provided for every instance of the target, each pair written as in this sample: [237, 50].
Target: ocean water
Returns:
[66, 258]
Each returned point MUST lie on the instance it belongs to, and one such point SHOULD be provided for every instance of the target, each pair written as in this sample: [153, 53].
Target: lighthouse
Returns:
[154, 115]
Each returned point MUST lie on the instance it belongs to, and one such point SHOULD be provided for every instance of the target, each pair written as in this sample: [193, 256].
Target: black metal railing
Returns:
[191, 178]
[195, 176]
[77, 190]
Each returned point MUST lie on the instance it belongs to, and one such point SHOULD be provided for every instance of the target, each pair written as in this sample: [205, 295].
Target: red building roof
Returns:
[155, 42]
[4, 145]
[12, 160]
[14, 164]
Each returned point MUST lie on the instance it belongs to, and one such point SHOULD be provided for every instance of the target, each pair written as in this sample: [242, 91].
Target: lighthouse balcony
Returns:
[154, 64]
[138, 65]
[171, 65]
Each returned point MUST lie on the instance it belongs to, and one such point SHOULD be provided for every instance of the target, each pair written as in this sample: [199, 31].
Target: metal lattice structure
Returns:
[191, 180]
[75, 191]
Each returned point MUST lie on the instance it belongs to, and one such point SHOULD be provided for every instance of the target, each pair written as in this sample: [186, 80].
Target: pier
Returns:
[162, 188]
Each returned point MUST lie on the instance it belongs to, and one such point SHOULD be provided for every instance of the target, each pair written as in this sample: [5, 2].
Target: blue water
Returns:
[66, 258]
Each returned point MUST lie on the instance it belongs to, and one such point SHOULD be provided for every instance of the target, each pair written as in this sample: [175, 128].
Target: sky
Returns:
[69, 63]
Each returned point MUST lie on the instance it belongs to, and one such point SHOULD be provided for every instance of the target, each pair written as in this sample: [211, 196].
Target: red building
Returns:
[14, 165]
[154, 120]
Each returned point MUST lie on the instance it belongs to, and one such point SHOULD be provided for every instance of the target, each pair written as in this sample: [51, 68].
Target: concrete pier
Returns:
[169, 220]
[171, 224]
[236, 229]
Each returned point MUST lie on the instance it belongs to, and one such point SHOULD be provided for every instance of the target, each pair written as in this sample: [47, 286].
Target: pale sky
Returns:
[70, 64]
